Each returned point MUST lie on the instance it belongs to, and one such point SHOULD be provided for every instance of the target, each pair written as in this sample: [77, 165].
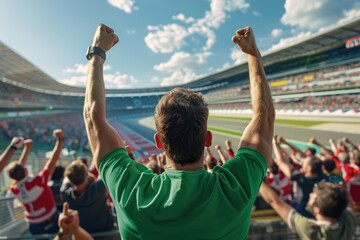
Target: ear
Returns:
[208, 139]
[159, 144]
[316, 210]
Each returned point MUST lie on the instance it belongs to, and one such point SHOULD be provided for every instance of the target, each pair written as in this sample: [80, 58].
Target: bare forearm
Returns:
[24, 156]
[95, 89]
[81, 234]
[55, 155]
[222, 156]
[6, 156]
[94, 107]
[259, 88]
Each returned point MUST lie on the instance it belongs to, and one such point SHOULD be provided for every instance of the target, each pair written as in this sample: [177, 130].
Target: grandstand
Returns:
[317, 76]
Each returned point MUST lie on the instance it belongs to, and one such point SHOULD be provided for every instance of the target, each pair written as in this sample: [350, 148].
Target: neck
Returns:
[320, 217]
[188, 167]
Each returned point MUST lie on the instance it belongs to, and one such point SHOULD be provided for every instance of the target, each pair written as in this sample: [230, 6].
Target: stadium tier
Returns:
[318, 75]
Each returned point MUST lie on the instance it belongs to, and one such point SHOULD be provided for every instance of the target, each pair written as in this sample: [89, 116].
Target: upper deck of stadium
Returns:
[16, 70]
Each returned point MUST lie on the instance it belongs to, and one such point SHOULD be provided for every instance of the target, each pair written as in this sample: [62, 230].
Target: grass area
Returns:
[292, 122]
[226, 131]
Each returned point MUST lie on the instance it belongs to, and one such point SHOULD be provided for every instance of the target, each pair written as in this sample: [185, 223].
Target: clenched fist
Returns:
[104, 38]
[245, 39]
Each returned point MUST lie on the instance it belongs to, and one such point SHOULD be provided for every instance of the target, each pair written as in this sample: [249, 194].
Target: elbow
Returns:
[91, 114]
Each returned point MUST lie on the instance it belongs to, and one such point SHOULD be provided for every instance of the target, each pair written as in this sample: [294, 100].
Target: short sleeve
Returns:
[42, 178]
[120, 174]
[249, 168]
[301, 225]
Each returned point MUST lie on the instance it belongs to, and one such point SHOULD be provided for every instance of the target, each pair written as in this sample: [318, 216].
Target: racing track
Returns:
[145, 127]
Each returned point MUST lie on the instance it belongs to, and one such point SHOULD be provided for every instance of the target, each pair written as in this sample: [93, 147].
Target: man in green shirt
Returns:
[184, 202]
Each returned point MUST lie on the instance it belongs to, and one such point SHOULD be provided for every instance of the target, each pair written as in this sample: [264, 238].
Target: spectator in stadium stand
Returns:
[210, 160]
[222, 157]
[55, 185]
[311, 174]
[33, 192]
[177, 204]
[88, 197]
[16, 143]
[328, 202]
[297, 156]
[69, 224]
[353, 187]
[229, 149]
[349, 170]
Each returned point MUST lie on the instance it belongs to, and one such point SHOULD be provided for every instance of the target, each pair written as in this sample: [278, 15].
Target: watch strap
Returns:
[97, 51]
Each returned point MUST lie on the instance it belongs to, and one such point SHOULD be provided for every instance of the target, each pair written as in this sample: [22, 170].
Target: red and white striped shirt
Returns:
[36, 197]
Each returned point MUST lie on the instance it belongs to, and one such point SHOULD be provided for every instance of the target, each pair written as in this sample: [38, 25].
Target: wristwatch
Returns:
[95, 50]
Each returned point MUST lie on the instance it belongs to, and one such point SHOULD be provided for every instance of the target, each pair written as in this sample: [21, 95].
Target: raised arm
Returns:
[323, 149]
[69, 224]
[349, 143]
[51, 163]
[103, 138]
[28, 143]
[275, 201]
[258, 134]
[291, 146]
[279, 159]
[221, 154]
[16, 142]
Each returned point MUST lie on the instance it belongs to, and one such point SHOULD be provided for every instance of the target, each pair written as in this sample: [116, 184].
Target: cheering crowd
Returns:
[184, 193]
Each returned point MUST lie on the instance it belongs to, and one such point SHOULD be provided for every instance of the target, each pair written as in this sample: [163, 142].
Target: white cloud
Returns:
[180, 77]
[171, 37]
[130, 32]
[276, 32]
[82, 68]
[237, 55]
[124, 5]
[310, 14]
[351, 14]
[181, 17]
[256, 14]
[285, 41]
[116, 80]
[166, 39]
[183, 60]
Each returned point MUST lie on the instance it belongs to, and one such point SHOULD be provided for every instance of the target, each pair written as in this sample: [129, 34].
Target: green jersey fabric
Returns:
[184, 204]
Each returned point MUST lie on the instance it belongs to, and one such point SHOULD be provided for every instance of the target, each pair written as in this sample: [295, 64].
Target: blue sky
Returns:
[161, 42]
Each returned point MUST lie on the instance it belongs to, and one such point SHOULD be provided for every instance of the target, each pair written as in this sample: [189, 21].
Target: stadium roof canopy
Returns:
[16, 70]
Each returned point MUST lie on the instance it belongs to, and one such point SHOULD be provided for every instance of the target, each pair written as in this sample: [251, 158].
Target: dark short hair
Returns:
[84, 160]
[312, 150]
[316, 165]
[329, 165]
[331, 199]
[181, 122]
[16, 171]
[76, 172]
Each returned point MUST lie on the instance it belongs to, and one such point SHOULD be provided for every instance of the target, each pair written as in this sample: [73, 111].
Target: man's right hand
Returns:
[104, 38]
[28, 143]
[245, 39]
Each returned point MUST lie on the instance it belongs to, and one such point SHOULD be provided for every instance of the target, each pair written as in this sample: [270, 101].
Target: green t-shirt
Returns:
[184, 204]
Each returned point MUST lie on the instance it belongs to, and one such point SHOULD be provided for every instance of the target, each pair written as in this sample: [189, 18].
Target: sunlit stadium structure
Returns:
[323, 64]
[319, 74]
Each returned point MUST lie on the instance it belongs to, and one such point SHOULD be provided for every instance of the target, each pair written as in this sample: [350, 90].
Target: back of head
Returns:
[316, 166]
[76, 172]
[181, 122]
[331, 199]
[329, 165]
[58, 173]
[16, 171]
[84, 160]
